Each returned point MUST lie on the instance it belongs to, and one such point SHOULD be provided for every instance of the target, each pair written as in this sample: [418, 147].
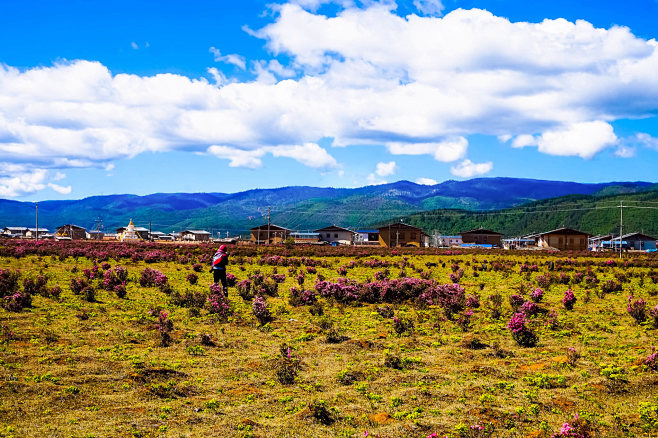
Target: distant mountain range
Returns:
[299, 208]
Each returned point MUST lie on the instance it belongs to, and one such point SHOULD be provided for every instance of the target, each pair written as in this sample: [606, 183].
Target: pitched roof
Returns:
[399, 225]
[196, 232]
[481, 231]
[639, 235]
[564, 230]
[333, 228]
[271, 226]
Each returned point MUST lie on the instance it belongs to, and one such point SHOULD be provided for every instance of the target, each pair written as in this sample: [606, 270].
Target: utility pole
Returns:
[621, 221]
[269, 211]
[150, 233]
[397, 238]
[36, 236]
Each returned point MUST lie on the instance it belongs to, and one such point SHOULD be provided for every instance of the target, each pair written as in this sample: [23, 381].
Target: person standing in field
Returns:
[219, 262]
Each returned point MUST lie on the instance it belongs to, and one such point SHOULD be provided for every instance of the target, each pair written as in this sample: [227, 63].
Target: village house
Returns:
[95, 235]
[399, 234]
[482, 237]
[303, 237]
[71, 232]
[366, 237]
[33, 233]
[195, 235]
[14, 232]
[564, 239]
[448, 241]
[269, 234]
[336, 235]
[638, 241]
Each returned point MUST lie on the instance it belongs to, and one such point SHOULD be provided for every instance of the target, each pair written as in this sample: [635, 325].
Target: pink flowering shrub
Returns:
[521, 333]
[244, 289]
[17, 301]
[569, 299]
[529, 308]
[537, 295]
[217, 304]
[8, 282]
[637, 309]
[260, 310]
[192, 278]
[301, 297]
[165, 326]
[516, 301]
[577, 428]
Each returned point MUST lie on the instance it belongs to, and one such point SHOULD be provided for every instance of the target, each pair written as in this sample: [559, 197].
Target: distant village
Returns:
[392, 235]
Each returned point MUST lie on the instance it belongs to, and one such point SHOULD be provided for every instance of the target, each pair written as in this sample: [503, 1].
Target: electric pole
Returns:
[269, 211]
[150, 235]
[36, 236]
[621, 221]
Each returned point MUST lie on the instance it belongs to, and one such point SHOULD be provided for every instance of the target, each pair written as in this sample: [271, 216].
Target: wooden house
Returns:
[33, 233]
[269, 234]
[301, 237]
[564, 239]
[195, 235]
[71, 232]
[639, 241]
[448, 241]
[95, 235]
[482, 236]
[399, 234]
[335, 234]
[14, 232]
[366, 237]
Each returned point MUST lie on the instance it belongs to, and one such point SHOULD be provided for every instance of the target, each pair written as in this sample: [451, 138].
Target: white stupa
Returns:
[129, 234]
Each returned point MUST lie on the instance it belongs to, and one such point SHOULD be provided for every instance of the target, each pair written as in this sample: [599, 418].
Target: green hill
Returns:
[593, 214]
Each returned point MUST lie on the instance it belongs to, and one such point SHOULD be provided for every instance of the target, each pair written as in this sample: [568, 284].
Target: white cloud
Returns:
[60, 189]
[524, 140]
[646, 140]
[309, 154]
[429, 7]
[445, 151]
[17, 180]
[582, 139]
[623, 151]
[237, 60]
[468, 169]
[238, 157]
[386, 169]
[420, 85]
[373, 180]
[134, 46]
[426, 181]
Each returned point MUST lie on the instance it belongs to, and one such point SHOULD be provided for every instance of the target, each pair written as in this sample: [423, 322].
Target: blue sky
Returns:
[225, 96]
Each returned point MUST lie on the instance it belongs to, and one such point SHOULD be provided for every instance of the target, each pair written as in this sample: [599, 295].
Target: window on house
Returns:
[412, 236]
[335, 235]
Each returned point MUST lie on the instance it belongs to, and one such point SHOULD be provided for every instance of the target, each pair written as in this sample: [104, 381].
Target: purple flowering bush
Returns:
[637, 309]
[537, 295]
[217, 304]
[521, 333]
[260, 310]
[569, 299]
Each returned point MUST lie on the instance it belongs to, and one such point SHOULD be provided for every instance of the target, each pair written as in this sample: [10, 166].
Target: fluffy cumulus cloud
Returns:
[468, 169]
[386, 169]
[426, 181]
[418, 85]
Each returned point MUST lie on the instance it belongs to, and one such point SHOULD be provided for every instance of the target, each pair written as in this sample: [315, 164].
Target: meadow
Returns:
[108, 339]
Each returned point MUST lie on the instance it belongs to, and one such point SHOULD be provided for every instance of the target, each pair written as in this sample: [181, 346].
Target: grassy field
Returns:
[330, 359]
